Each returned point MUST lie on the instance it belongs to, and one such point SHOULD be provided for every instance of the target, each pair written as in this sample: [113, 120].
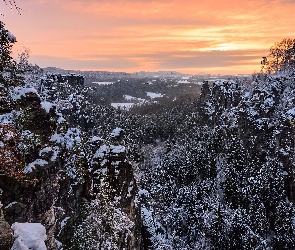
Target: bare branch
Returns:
[12, 5]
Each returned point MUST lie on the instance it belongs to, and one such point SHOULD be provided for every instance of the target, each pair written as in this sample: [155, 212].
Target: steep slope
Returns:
[50, 175]
[225, 179]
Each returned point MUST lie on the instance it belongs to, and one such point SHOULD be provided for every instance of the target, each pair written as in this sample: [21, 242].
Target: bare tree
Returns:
[281, 57]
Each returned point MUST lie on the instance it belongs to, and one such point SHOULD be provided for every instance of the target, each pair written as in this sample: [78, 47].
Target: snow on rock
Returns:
[95, 139]
[117, 149]
[18, 92]
[31, 166]
[116, 132]
[64, 222]
[54, 150]
[29, 236]
[58, 138]
[47, 106]
[143, 192]
[10, 204]
[11, 37]
[55, 153]
[291, 113]
[102, 150]
[130, 188]
[59, 244]
[45, 150]
[60, 120]
[8, 117]
[68, 140]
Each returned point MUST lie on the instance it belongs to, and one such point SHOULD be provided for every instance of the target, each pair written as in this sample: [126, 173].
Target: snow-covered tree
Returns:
[9, 72]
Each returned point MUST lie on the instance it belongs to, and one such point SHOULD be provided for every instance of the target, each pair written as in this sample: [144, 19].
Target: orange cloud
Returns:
[135, 35]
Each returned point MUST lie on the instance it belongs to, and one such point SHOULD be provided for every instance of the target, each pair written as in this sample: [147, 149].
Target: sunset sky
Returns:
[190, 36]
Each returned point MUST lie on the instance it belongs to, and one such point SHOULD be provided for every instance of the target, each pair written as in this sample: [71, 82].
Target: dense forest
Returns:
[206, 166]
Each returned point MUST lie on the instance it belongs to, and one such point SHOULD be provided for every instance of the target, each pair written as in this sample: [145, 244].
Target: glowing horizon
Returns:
[188, 36]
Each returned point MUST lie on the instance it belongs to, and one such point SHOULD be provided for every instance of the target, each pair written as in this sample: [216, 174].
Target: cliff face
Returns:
[111, 216]
[53, 175]
[6, 239]
[262, 116]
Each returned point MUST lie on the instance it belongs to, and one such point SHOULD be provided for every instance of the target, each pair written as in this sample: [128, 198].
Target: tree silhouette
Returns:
[281, 57]
[9, 72]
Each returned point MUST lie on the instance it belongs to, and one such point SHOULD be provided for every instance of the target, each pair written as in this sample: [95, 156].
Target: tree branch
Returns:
[13, 5]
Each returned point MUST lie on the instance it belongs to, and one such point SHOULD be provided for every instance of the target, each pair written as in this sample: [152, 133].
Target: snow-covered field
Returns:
[103, 83]
[154, 95]
[132, 98]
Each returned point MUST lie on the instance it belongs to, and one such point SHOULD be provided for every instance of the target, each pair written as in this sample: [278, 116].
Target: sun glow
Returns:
[148, 35]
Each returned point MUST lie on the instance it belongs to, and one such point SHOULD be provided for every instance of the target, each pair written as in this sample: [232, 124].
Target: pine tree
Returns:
[9, 72]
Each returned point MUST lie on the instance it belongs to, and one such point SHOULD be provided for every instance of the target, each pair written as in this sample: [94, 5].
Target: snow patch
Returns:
[31, 166]
[56, 138]
[183, 81]
[291, 113]
[100, 153]
[59, 244]
[64, 222]
[117, 149]
[116, 132]
[96, 139]
[47, 106]
[18, 92]
[60, 120]
[8, 117]
[103, 83]
[129, 97]
[10, 204]
[29, 236]
[54, 150]
[132, 98]
[154, 95]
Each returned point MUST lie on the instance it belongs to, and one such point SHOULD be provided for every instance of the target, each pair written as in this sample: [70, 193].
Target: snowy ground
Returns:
[29, 236]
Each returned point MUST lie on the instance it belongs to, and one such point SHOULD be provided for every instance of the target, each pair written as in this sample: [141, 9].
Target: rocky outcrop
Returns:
[113, 192]
[6, 234]
[59, 182]
[262, 115]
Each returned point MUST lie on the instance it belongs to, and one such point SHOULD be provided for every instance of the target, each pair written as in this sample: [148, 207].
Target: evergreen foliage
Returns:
[9, 72]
